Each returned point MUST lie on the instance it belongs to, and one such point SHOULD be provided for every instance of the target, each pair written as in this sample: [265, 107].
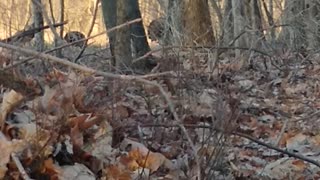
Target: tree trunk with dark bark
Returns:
[138, 35]
[122, 46]
[109, 11]
[127, 42]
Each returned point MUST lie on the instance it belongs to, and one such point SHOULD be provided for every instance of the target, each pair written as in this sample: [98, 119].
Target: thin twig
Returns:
[155, 75]
[290, 154]
[283, 130]
[51, 11]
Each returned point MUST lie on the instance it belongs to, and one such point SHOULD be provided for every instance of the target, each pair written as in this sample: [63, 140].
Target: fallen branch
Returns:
[290, 154]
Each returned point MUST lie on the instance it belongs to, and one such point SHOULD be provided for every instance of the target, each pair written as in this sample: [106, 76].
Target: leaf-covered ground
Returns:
[253, 120]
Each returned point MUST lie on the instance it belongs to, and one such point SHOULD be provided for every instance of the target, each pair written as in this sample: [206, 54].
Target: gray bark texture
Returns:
[312, 20]
[293, 35]
[38, 22]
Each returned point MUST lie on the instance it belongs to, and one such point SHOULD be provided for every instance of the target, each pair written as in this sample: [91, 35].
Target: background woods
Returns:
[245, 23]
[159, 89]
[17, 14]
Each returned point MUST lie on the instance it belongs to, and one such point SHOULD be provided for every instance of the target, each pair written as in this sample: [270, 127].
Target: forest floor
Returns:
[252, 120]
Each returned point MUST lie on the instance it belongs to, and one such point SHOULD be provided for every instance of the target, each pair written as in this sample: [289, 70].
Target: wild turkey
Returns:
[156, 29]
[73, 36]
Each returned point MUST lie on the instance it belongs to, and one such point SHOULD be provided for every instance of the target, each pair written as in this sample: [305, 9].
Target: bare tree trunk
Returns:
[61, 18]
[293, 36]
[218, 12]
[257, 37]
[228, 30]
[122, 48]
[37, 23]
[238, 26]
[138, 35]
[173, 28]
[197, 23]
[127, 39]
[247, 24]
[109, 11]
[312, 20]
[57, 40]
[268, 8]
[273, 30]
